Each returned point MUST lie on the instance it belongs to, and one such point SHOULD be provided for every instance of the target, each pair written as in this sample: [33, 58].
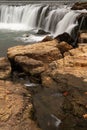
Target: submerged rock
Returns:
[42, 32]
[5, 68]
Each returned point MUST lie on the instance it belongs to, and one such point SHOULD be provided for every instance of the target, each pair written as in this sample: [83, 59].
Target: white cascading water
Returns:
[56, 20]
[67, 23]
[53, 18]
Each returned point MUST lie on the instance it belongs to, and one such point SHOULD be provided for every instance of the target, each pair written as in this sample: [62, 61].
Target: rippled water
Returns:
[8, 39]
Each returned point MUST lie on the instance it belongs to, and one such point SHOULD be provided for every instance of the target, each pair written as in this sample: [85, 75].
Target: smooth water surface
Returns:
[8, 39]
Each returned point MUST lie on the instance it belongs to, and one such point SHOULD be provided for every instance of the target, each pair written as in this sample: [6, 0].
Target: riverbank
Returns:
[43, 86]
[46, 82]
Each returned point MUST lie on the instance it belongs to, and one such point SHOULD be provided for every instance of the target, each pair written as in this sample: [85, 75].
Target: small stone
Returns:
[86, 93]
[86, 106]
[85, 116]
[65, 93]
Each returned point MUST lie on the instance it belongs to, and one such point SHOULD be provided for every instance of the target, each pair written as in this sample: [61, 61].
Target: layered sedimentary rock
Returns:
[63, 74]
[35, 58]
[15, 107]
[5, 68]
[70, 74]
[74, 63]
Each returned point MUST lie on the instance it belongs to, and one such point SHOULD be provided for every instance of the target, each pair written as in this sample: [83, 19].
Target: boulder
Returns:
[64, 47]
[69, 77]
[5, 68]
[15, 107]
[42, 32]
[65, 37]
[74, 63]
[29, 64]
[79, 6]
[33, 58]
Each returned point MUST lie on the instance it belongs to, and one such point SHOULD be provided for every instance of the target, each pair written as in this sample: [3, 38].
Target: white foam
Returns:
[57, 122]
[30, 85]
[32, 38]
[14, 26]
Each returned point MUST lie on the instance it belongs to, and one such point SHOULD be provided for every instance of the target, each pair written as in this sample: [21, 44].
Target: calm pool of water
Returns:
[9, 39]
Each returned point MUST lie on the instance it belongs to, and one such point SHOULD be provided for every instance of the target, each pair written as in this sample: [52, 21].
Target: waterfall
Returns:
[55, 20]
[67, 23]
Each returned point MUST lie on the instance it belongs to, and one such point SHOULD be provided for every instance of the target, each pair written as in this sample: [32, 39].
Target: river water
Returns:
[15, 21]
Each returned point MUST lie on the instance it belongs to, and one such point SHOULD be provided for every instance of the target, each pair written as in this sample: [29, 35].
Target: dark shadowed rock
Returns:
[82, 21]
[79, 6]
[65, 37]
[29, 64]
[42, 32]
[5, 68]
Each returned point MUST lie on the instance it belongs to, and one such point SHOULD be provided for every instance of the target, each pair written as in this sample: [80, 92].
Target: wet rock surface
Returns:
[79, 6]
[42, 32]
[65, 37]
[82, 20]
